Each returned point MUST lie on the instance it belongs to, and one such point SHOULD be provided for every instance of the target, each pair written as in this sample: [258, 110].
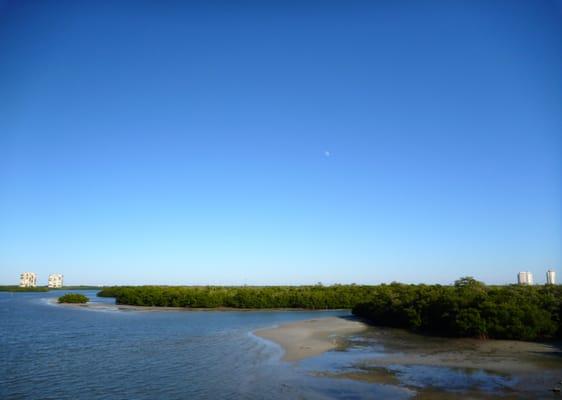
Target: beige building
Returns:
[28, 279]
[525, 278]
[550, 277]
[55, 281]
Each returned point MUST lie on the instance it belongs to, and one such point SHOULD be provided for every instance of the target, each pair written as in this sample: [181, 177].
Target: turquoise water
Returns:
[49, 351]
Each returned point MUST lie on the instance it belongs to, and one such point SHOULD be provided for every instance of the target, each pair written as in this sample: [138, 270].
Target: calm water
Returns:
[49, 351]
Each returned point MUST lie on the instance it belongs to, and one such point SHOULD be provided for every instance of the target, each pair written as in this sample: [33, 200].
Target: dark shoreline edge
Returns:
[126, 307]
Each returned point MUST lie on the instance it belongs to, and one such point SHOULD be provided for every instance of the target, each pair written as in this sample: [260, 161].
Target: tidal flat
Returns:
[429, 367]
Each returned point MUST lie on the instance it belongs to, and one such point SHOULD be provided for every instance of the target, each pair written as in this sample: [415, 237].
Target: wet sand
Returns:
[502, 356]
[312, 337]
[125, 307]
[304, 339]
[527, 369]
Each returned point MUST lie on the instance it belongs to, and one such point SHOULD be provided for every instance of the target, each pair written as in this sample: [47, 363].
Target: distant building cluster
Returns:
[526, 278]
[29, 279]
[55, 281]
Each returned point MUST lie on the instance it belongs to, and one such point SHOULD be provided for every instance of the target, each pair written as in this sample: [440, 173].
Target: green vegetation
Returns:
[73, 298]
[14, 288]
[309, 297]
[78, 287]
[468, 309]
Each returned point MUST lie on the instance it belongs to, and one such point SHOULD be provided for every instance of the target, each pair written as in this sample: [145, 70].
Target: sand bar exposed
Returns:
[312, 337]
[309, 338]
[102, 306]
[514, 369]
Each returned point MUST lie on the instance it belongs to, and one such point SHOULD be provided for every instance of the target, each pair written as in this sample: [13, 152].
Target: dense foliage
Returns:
[78, 287]
[468, 309]
[73, 298]
[14, 288]
[309, 297]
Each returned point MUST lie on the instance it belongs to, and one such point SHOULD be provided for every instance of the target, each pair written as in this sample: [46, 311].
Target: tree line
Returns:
[14, 288]
[466, 309]
[315, 297]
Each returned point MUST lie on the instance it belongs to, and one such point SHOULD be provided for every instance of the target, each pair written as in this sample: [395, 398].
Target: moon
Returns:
[327, 153]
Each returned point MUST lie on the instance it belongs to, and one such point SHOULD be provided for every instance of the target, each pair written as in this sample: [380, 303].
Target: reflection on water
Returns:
[355, 363]
[68, 352]
[456, 379]
[432, 367]
[103, 352]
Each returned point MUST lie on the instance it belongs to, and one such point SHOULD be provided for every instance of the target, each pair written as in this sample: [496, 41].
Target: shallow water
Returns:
[51, 351]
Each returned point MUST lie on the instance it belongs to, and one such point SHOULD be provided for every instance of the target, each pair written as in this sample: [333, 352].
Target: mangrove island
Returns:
[468, 308]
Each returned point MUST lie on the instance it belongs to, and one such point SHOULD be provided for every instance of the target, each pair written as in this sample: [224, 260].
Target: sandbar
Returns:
[530, 369]
[313, 337]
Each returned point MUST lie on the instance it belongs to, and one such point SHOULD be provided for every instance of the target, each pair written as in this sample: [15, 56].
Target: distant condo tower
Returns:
[550, 277]
[28, 279]
[55, 281]
[525, 278]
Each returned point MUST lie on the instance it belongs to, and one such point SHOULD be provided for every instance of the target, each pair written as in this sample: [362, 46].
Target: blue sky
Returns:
[280, 142]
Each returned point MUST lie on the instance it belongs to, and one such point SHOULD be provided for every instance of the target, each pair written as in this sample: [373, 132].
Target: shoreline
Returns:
[511, 368]
[303, 339]
[223, 309]
[396, 357]
[126, 307]
[312, 337]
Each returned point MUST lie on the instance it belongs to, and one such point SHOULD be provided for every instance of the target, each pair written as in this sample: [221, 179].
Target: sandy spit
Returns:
[312, 337]
[125, 307]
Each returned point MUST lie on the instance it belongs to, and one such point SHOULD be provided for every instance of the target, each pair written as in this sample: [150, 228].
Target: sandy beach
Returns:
[535, 368]
[312, 337]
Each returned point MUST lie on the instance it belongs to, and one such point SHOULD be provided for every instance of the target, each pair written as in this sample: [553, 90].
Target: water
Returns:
[49, 351]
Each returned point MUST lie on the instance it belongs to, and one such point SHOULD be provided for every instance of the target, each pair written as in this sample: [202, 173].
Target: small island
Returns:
[73, 298]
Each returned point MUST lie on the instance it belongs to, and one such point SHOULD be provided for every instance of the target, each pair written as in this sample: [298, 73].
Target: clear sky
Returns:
[280, 142]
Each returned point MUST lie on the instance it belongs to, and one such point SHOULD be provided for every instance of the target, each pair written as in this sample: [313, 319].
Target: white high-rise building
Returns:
[550, 277]
[28, 279]
[55, 281]
[525, 278]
